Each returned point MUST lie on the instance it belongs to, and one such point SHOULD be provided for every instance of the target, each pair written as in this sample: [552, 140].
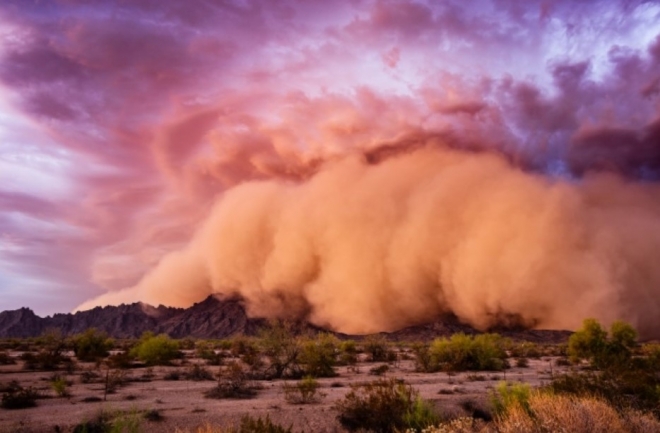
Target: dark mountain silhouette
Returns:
[214, 318]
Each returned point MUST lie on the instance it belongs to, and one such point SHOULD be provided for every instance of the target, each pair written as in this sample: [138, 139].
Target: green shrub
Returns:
[506, 395]
[306, 391]
[60, 386]
[318, 356]
[593, 344]
[20, 399]
[156, 350]
[384, 406]
[463, 352]
[92, 345]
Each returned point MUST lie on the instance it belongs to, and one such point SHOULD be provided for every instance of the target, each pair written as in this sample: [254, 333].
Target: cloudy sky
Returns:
[122, 122]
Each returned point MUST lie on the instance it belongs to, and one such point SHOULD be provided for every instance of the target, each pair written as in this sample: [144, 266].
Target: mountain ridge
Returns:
[217, 318]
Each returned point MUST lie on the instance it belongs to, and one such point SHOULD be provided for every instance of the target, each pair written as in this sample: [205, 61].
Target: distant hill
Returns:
[214, 318]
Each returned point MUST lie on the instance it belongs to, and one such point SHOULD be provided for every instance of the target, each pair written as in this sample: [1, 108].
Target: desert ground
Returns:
[180, 405]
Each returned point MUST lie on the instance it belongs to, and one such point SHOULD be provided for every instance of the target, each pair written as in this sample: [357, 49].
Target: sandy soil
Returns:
[184, 407]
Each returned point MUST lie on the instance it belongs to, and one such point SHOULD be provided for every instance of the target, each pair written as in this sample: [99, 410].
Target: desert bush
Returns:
[592, 343]
[114, 378]
[233, 383]
[282, 350]
[121, 360]
[378, 349]
[89, 376]
[172, 375]
[198, 373]
[305, 391]
[20, 398]
[462, 352]
[522, 363]
[318, 356]
[259, 425]
[107, 422]
[12, 386]
[5, 359]
[50, 356]
[624, 389]
[347, 353]
[507, 395]
[379, 370]
[423, 359]
[384, 406]
[156, 349]
[91, 345]
[524, 349]
[204, 350]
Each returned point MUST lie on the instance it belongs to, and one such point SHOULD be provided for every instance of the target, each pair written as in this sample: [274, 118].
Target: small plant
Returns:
[20, 399]
[305, 391]
[384, 406]
[60, 386]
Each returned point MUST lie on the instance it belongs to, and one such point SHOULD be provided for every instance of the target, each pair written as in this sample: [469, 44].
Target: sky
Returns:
[124, 123]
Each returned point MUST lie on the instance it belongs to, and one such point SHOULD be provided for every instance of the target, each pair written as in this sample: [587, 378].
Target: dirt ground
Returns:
[184, 407]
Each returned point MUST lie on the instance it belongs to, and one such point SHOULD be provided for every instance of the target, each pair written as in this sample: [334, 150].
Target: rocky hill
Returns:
[213, 318]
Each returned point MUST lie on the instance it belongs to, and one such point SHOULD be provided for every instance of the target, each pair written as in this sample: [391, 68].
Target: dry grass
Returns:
[556, 413]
